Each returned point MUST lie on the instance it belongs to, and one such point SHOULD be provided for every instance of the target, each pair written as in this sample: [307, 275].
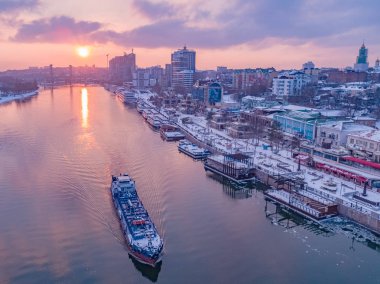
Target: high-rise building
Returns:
[121, 68]
[361, 64]
[183, 68]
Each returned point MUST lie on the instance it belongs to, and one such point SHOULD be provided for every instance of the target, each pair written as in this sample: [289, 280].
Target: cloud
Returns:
[165, 34]
[17, 5]
[56, 30]
[224, 23]
[251, 22]
[154, 10]
[298, 19]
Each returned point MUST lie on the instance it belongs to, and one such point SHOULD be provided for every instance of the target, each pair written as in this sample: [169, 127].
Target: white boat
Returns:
[154, 121]
[171, 133]
[140, 107]
[192, 150]
[146, 112]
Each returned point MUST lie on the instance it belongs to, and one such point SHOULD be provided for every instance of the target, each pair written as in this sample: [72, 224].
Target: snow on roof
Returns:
[356, 127]
[291, 107]
[373, 135]
[332, 112]
[253, 98]
[363, 118]
[228, 99]
[347, 125]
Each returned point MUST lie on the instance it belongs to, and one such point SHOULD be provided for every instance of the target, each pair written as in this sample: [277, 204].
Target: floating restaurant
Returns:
[236, 167]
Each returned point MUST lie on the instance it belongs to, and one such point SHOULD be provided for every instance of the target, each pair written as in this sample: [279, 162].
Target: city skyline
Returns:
[237, 34]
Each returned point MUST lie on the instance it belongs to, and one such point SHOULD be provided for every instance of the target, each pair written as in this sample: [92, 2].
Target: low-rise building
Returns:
[208, 91]
[333, 134]
[300, 123]
[365, 120]
[365, 144]
[242, 130]
[218, 122]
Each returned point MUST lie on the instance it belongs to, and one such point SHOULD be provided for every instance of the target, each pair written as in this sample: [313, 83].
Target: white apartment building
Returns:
[283, 86]
[290, 84]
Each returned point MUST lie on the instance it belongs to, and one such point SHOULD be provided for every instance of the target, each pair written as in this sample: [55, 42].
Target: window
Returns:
[352, 141]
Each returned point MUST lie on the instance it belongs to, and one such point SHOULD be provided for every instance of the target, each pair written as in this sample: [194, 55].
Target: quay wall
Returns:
[369, 220]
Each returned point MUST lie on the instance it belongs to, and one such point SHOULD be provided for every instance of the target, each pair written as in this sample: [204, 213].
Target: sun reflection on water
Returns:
[84, 107]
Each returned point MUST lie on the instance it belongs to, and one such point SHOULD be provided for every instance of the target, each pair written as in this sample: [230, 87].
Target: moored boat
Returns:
[144, 242]
[154, 121]
[171, 133]
[126, 96]
[193, 150]
[236, 167]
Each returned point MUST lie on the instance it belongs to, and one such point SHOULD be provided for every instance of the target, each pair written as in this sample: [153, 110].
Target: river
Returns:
[58, 151]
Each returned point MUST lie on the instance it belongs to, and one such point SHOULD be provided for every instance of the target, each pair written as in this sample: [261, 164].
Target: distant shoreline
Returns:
[15, 97]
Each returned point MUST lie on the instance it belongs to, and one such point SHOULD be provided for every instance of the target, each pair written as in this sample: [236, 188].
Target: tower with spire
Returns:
[361, 64]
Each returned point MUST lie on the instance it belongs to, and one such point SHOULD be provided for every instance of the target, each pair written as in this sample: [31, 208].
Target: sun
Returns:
[83, 51]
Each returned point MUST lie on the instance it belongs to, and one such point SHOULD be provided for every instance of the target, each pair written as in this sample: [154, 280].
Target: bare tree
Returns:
[275, 134]
[295, 143]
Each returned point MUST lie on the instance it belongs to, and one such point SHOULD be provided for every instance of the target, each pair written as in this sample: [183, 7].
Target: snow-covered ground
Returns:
[282, 162]
[9, 98]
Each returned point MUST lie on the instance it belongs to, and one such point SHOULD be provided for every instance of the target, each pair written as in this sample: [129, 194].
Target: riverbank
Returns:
[14, 97]
[346, 195]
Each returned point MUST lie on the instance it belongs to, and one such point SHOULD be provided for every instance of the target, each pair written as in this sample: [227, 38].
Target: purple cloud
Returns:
[165, 34]
[330, 23]
[154, 10]
[56, 30]
[251, 21]
[16, 5]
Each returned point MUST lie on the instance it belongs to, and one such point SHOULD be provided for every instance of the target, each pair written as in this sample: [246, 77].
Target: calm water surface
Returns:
[57, 223]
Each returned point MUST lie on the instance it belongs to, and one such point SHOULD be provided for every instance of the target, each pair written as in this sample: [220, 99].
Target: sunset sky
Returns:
[233, 33]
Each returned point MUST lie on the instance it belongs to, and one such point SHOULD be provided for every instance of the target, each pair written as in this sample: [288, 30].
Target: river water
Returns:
[57, 222]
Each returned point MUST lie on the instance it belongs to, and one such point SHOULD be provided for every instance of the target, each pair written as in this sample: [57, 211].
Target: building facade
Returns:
[121, 68]
[183, 68]
[334, 134]
[365, 145]
[299, 123]
[361, 64]
[283, 86]
[208, 91]
[144, 78]
[290, 84]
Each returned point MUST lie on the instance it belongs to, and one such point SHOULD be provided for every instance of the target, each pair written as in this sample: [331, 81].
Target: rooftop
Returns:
[302, 115]
[347, 126]
[373, 135]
